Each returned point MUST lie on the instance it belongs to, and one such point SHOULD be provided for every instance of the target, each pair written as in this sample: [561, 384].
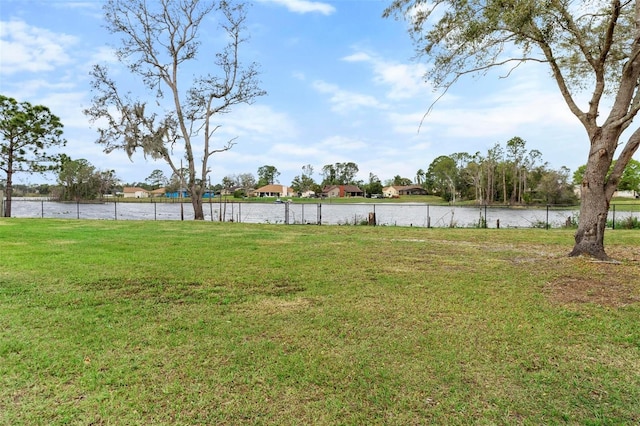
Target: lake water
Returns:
[397, 214]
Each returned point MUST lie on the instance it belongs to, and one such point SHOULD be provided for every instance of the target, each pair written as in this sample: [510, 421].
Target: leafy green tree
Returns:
[230, 181]
[472, 174]
[329, 175]
[589, 46]
[554, 187]
[78, 180]
[442, 175]
[578, 175]
[339, 174]
[177, 180]
[107, 182]
[630, 180]
[491, 172]
[516, 152]
[43, 189]
[247, 181]
[400, 181]
[28, 132]
[374, 186]
[267, 175]
[304, 182]
[160, 41]
[156, 179]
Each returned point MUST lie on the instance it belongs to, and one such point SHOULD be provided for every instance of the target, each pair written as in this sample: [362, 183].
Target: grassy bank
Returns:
[105, 322]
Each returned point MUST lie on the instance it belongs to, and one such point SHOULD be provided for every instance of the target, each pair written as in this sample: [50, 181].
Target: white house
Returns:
[133, 192]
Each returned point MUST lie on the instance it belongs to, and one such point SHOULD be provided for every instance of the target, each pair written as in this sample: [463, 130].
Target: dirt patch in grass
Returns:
[611, 291]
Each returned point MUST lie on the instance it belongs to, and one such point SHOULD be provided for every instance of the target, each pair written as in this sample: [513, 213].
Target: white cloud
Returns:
[103, 54]
[298, 75]
[342, 144]
[68, 106]
[404, 80]
[25, 48]
[305, 6]
[258, 122]
[344, 101]
[358, 57]
[304, 151]
[28, 89]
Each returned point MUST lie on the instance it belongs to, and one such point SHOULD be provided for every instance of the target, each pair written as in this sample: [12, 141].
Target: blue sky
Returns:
[342, 87]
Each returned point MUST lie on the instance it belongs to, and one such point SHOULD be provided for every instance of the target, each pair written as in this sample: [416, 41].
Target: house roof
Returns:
[132, 189]
[346, 188]
[402, 187]
[275, 188]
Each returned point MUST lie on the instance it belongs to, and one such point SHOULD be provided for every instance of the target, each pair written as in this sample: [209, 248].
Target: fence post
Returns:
[286, 213]
[42, 209]
[486, 225]
[428, 218]
[78, 209]
[115, 209]
[375, 218]
[613, 225]
[319, 214]
[547, 220]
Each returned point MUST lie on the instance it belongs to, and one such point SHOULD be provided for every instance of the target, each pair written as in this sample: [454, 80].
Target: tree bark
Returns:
[589, 238]
[9, 188]
[596, 192]
[9, 185]
[197, 202]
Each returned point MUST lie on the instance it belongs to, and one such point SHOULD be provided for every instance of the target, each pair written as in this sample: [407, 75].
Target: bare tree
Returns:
[589, 46]
[159, 40]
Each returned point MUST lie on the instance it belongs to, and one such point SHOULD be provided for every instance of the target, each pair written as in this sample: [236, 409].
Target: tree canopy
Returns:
[267, 175]
[590, 47]
[28, 133]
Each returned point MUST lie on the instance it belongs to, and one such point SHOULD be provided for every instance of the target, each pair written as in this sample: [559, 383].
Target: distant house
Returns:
[160, 192]
[274, 191]
[398, 190]
[340, 191]
[308, 194]
[626, 194]
[184, 194]
[390, 191]
[577, 190]
[134, 192]
[178, 193]
[232, 190]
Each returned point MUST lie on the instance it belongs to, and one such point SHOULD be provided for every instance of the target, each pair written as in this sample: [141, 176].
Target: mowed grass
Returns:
[181, 323]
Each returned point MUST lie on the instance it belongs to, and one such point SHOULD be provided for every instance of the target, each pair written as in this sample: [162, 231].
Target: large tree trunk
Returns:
[9, 190]
[196, 202]
[596, 192]
[589, 237]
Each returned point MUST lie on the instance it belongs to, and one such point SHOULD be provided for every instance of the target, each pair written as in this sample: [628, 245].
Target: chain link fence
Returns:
[621, 215]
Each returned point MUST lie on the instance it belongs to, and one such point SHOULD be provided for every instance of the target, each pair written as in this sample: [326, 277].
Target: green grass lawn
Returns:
[180, 323]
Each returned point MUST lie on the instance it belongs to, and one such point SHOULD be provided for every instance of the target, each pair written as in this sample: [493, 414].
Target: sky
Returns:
[342, 84]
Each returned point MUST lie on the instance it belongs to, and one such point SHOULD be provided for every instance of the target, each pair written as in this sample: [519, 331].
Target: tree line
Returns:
[506, 174]
[590, 48]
